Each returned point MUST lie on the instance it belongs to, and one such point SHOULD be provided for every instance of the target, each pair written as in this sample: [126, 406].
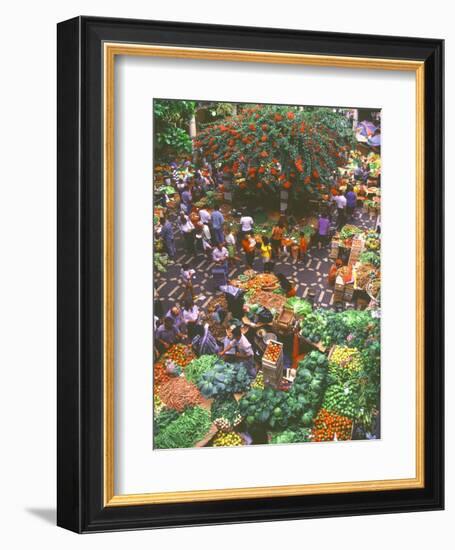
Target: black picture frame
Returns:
[80, 282]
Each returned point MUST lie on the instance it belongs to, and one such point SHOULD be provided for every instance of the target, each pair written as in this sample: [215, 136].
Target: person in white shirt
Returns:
[190, 314]
[246, 224]
[187, 229]
[341, 209]
[244, 351]
[220, 255]
[204, 216]
[230, 245]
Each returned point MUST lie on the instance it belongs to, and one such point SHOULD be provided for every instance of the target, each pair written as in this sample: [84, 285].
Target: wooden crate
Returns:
[334, 249]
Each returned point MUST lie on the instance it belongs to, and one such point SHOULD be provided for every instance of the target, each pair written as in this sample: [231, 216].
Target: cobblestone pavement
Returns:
[309, 273]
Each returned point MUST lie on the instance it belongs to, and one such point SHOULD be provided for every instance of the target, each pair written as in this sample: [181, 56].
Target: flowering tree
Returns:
[269, 148]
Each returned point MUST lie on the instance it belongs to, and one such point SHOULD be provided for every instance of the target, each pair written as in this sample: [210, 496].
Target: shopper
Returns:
[217, 225]
[231, 247]
[351, 202]
[220, 255]
[323, 230]
[276, 240]
[167, 233]
[246, 225]
[249, 246]
[266, 254]
[187, 276]
[288, 288]
[187, 201]
[303, 246]
[187, 229]
[204, 215]
[341, 209]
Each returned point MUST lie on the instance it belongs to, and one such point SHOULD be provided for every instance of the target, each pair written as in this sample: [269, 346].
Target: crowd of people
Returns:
[206, 232]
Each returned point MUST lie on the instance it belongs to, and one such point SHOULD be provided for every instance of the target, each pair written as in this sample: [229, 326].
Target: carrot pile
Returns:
[328, 424]
[178, 393]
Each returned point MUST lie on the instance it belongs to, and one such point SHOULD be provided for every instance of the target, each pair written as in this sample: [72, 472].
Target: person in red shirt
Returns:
[249, 247]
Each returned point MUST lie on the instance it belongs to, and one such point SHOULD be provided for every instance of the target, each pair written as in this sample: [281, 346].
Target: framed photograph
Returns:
[250, 274]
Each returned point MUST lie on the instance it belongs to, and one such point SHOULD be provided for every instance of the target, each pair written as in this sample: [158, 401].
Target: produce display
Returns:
[330, 426]
[370, 257]
[196, 368]
[347, 358]
[227, 439]
[372, 241]
[348, 231]
[258, 382]
[342, 399]
[185, 431]
[224, 379]
[299, 435]
[313, 327]
[161, 262]
[300, 306]
[273, 352]
[180, 354]
[178, 394]
[365, 273]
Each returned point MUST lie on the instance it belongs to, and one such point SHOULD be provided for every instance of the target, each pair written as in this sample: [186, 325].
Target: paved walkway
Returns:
[309, 273]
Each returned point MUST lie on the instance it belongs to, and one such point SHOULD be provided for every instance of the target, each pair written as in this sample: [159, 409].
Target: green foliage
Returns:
[267, 407]
[171, 120]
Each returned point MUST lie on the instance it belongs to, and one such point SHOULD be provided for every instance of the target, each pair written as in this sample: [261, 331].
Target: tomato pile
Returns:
[180, 354]
[272, 353]
[328, 424]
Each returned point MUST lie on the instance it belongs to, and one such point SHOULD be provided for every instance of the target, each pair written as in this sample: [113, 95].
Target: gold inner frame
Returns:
[110, 51]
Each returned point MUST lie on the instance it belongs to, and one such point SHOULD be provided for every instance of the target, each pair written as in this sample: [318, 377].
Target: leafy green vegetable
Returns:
[223, 379]
[299, 435]
[197, 367]
[225, 407]
[163, 419]
[189, 428]
[300, 306]
[370, 257]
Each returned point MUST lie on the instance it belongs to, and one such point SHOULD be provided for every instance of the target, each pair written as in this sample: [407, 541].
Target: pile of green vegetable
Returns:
[297, 435]
[197, 367]
[314, 327]
[370, 257]
[267, 407]
[225, 407]
[342, 399]
[297, 408]
[349, 231]
[185, 431]
[300, 306]
[162, 420]
[224, 379]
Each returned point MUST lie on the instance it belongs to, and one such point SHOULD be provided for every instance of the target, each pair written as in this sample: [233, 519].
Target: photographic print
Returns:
[267, 274]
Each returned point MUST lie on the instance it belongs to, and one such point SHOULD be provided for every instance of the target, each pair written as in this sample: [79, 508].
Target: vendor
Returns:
[167, 334]
[177, 319]
[332, 275]
[229, 346]
[244, 350]
[190, 314]
[287, 287]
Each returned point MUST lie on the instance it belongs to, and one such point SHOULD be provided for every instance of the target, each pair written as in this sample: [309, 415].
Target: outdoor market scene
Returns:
[267, 274]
